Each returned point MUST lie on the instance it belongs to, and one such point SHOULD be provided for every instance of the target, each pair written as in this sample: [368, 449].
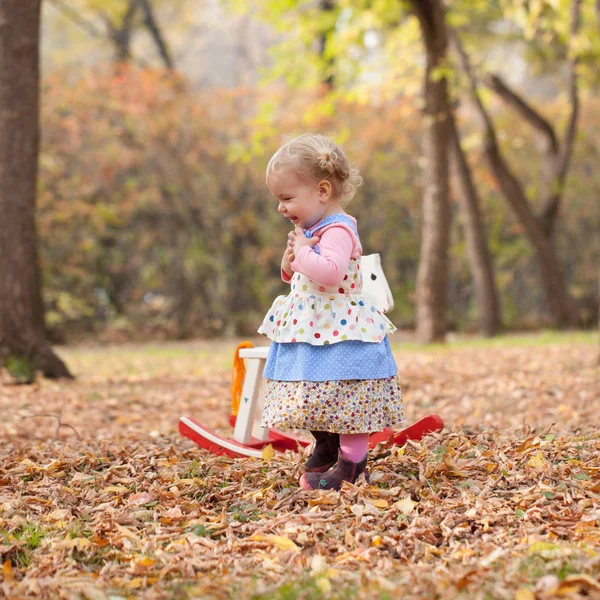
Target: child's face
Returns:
[302, 203]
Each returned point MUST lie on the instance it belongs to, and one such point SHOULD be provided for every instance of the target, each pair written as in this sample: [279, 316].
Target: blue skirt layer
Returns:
[351, 359]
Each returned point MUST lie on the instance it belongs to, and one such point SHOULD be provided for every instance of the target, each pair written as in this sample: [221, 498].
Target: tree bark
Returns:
[433, 258]
[328, 79]
[551, 205]
[559, 302]
[156, 34]
[22, 326]
[480, 259]
[121, 35]
[558, 155]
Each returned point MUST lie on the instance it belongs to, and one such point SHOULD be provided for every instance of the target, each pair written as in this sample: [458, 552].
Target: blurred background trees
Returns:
[158, 119]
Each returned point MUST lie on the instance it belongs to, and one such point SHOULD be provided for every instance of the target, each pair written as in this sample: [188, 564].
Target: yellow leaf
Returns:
[463, 553]
[115, 488]
[524, 594]
[324, 585]
[530, 442]
[268, 453]
[405, 506]
[380, 503]
[8, 572]
[318, 564]
[58, 514]
[93, 593]
[348, 538]
[127, 533]
[69, 544]
[283, 542]
[537, 460]
[146, 562]
[329, 498]
[581, 580]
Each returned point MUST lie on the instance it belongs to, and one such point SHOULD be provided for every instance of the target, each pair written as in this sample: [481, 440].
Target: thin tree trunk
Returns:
[559, 302]
[155, 32]
[433, 258]
[480, 259]
[550, 208]
[558, 155]
[22, 327]
[121, 36]
[328, 80]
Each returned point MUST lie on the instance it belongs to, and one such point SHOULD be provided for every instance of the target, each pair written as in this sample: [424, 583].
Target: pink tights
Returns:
[354, 446]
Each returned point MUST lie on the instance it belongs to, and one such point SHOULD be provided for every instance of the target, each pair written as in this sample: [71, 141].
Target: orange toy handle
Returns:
[237, 377]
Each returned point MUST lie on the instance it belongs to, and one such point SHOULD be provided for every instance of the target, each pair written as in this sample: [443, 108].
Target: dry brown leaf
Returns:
[524, 594]
[141, 511]
[582, 581]
[70, 543]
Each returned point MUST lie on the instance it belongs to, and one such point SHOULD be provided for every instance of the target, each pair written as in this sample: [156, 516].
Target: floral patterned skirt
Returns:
[344, 406]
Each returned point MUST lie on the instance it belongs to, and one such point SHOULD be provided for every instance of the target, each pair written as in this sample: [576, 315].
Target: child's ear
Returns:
[325, 189]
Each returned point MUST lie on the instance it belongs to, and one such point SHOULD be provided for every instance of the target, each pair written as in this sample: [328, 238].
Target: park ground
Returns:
[101, 498]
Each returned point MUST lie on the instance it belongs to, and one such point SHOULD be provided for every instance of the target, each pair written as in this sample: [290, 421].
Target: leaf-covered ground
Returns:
[101, 498]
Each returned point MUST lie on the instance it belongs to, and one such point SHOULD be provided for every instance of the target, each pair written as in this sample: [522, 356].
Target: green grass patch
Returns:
[309, 588]
[509, 340]
[30, 536]
[150, 360]
[202, 357]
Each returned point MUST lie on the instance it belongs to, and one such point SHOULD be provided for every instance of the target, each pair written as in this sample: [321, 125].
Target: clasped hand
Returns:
[296, 239]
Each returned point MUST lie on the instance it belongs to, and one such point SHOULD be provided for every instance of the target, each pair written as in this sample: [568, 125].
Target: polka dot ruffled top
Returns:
[323, 315]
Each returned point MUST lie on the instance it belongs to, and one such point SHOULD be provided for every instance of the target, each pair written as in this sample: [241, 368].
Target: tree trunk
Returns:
[326, 7]
[558, 299]
[22, 327]
[559, 302]
[480, 259]
[156, 34]
[558, 155]
[433, 258]
[121, 35]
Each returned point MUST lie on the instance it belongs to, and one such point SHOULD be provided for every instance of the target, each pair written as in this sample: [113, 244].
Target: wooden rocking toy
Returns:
[249, 438]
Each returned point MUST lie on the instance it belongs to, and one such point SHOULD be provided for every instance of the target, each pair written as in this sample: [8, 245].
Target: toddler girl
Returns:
[330, 368]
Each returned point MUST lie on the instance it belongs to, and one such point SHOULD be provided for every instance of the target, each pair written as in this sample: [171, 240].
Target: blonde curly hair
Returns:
[316, 157]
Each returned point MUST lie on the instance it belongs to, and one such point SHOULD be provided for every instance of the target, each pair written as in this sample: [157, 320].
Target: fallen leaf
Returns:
[282, 542]
[71, 543]
[115, 488]
[524, 594]
[93, 593]
[537, 460]
[582, 581]
[139, 498]
[324, 585]
[268, 453]
[7, 571]
[405, 505]
[58, 515]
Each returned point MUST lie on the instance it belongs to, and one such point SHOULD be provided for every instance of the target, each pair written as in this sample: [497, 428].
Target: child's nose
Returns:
[281, 208]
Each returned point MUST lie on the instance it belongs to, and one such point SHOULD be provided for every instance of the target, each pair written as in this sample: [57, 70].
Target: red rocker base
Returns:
[280, 441]
[228, 446]
[249, 439]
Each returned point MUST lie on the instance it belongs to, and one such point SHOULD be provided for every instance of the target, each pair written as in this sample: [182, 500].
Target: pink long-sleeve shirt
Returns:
[338, 244]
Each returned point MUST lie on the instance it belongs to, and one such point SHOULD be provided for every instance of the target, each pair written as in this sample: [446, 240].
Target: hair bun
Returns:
[326, 162]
